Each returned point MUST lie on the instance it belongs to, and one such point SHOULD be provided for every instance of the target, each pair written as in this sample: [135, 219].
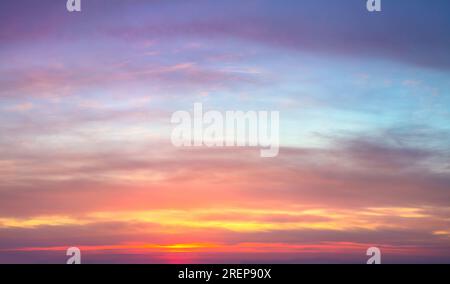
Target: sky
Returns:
[86, 159]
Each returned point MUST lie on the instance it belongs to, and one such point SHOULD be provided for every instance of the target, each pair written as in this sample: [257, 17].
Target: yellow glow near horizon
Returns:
[233, 219]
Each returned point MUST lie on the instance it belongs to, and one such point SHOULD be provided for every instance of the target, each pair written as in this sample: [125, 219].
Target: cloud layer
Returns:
[86, 160]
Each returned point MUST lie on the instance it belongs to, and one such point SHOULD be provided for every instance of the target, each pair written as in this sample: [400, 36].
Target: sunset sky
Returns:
[85, 153]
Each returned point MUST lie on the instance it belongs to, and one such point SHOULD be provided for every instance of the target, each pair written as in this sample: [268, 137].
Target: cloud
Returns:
[86, 101]
[302, 27]
[60, 82]
[350, 173]
[292, 25]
